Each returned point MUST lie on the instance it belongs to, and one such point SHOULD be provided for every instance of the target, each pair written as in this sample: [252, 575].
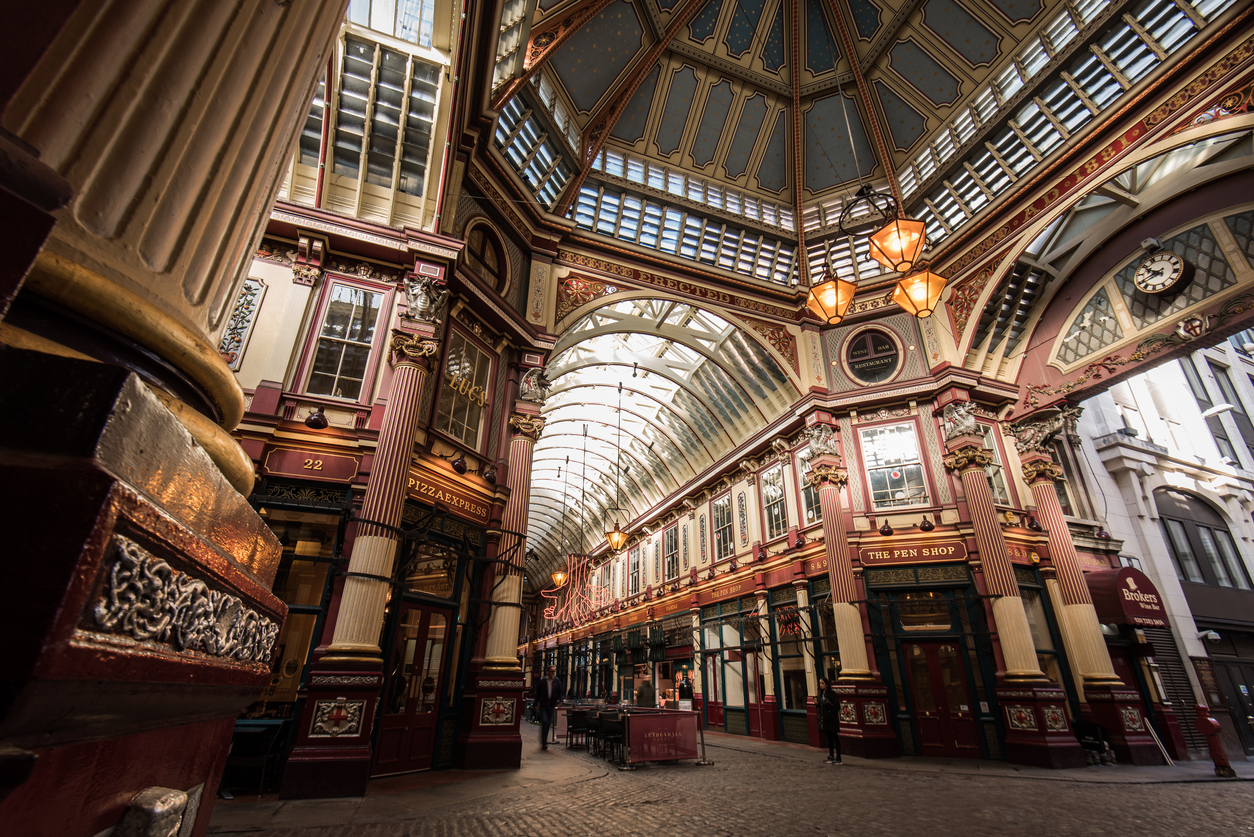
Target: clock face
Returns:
[1162, 272]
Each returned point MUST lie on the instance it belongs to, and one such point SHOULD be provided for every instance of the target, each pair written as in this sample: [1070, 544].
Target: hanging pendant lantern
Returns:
[898, 244]
[919, 292]
[829, 300]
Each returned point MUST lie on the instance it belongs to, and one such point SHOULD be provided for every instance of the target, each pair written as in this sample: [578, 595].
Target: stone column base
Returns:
[865, 727]
[1120, 711]
[332, 756]
[493, 705]
[1037, 730]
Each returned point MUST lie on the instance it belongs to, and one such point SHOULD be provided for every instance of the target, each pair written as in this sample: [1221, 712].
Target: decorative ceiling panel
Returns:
[773, 171]
[713, 118]
[830, 160]
[748, 127]
[905, 124]
[670, 131]
[950, 21]
[821, 53]
[741, 33]
[866, 18]
[630, 126]
[590, 62]
[921, 70]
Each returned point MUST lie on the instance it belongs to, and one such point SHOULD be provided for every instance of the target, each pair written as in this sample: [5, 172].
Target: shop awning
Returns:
[1126, 596]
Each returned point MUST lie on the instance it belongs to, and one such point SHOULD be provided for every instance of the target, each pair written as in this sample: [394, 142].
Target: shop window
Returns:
[1197, 537]
[635, 570]
[1046, 653]
[483, 255]
[772, 487]
[924, 612]
[349, 322]
[996, 477]
[463, 398]
[1066, 486]
[810, 506]
[723, 544]
[790, 634]
[308, 540]
[894, 470]
[670, 548]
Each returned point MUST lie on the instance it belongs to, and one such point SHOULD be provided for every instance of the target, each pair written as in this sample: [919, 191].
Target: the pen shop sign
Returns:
[919, 552]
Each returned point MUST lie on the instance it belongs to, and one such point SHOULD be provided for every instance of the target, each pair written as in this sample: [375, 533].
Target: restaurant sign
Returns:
[663, 737]
[432, 488]
[1127, 597]
[917, 552]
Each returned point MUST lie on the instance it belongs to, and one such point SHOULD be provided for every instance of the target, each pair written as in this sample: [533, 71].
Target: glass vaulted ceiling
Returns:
[694, 386]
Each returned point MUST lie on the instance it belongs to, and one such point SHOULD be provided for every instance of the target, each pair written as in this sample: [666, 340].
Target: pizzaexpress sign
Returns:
[431, 488]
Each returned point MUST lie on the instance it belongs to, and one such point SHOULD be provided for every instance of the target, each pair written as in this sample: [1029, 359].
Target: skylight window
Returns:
[409, 20]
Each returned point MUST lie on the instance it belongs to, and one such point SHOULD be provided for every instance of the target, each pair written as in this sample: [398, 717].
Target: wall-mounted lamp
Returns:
[926, 525]
[317, 420]
[1217, 409]
[886, 530]
[1103, 534]
[1034, 524]
[459, 464]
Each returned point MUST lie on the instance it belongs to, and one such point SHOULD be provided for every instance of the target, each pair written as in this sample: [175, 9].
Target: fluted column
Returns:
[807, 633]
[366, 587]
[968, 458]
[169, 120]
[826, 473]
[507, 594]
[1082, 633]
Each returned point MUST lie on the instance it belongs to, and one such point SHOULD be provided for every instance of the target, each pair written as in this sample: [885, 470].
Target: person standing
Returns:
[646, 696]
[827, 707]
[549, 692]
[685, 688]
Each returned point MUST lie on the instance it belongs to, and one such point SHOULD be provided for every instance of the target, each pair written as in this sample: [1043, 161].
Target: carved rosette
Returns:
[1040, 470]
[410, 347]
[823, 473]
[529, 426]
[968, 457]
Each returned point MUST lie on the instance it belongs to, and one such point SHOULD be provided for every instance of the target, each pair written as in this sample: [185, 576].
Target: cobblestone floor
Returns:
[755, 788]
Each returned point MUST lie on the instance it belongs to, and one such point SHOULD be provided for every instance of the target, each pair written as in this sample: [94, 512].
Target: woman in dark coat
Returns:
[827, 706]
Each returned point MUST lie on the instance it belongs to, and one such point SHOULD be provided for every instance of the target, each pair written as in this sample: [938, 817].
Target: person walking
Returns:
[827, 706]
[549, 692]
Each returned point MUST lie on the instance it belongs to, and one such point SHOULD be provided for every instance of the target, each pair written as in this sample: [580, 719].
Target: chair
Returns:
[612, 729]
[594, 732]
[577, 729]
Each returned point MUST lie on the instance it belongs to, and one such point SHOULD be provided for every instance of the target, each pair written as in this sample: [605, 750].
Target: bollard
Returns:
[1209, 727]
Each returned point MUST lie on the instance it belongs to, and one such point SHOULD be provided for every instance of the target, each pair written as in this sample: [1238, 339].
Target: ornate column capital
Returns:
[968, 456]
[825, 472]
[410, 347]
[529, 426]
[1040, 469]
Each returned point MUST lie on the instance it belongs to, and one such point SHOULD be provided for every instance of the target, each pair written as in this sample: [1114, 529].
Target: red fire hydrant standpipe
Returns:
[1209, 727]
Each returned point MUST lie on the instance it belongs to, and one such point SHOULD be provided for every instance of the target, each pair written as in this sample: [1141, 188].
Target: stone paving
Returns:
[767, 789]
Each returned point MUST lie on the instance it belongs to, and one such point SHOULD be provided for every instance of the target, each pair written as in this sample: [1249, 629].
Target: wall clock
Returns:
[1163, 272]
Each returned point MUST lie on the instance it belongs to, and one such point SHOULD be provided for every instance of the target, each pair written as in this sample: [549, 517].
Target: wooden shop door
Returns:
[411, 703]
[942, 702]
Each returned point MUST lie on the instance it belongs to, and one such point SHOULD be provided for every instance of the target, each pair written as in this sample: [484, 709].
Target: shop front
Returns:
[1137, 630]
[731, 665]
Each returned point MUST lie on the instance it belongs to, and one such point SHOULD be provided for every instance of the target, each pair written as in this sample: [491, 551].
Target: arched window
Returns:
[1199, 543]
[484, 256]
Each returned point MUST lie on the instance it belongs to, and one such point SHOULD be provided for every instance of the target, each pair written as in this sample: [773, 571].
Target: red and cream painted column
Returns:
[1107, 700]
[367, 585]
[502, 649]
[1036, 726]
[865, 730]
[346, 680]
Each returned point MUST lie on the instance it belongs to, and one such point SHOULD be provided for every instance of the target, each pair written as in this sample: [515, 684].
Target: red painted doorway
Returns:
[943, 712]
[416, 679]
